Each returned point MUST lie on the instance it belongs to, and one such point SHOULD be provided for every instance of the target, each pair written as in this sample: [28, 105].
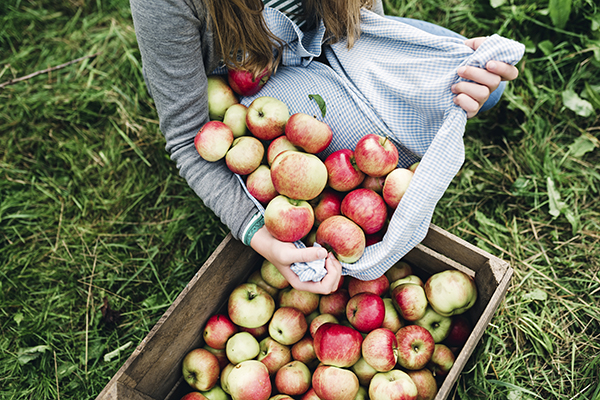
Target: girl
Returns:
[183, 41]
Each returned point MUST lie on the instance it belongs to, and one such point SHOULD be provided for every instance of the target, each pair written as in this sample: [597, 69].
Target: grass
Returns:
[93, 214]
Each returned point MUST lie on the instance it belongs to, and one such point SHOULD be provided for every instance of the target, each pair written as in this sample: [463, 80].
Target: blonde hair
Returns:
[244, 41]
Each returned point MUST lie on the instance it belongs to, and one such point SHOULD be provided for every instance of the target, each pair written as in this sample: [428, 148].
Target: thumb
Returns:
[474, 43]
[312, 254]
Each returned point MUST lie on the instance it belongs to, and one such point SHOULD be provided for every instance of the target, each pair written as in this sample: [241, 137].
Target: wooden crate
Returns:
[153, 371]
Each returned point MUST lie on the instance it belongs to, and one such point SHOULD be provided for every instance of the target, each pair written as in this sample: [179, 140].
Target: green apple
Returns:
[242, 346]
[451, 292]
[220, 97]
[438, 325]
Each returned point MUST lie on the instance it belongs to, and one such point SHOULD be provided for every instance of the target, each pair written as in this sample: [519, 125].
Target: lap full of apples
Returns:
[391, 338]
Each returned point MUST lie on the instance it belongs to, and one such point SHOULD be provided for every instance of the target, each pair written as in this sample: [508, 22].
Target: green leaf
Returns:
[546, 46]
[31, 353]
[579, 106]
[554, 197]
[320, 103]
[18, 317]
[497, 3]
[582, 145]
[536, 294]
[559, 12]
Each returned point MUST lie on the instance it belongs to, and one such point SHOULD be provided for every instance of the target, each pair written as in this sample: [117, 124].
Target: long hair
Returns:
[244, 41]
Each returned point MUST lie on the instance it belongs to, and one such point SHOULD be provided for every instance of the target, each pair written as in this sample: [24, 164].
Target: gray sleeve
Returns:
[177, 51]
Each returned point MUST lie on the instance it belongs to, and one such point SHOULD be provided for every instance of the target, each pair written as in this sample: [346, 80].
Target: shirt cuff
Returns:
[254, 225]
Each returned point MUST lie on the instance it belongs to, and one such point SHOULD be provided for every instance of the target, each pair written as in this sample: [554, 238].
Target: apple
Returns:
[213, 140]
[391, 320]
[366, 208]
[266, 117]
[334, 303]
[241, 347]
[337, 345]
[363, 371]
[376, 155]
[379, 286]
[308, 133]
[273, 354]
[310, 395]
[343, 237]
[260, 185]
[426, 385]
[451, 292]
[293, 379]
[194, 396]
[220, 97]
[288, 325]
[392, 385]
[246, 83]
[374, 183]
[413, 166]
[223, 379]
[407, 279]
[327, 204]
[279, 145]
[398, 271]
[256, 278]
[281, 397]
[436, 324]
[235, 119]
[380, 349]
[410, 301]
[201, 369]
[272, 276]
[249, 380]
[376, 237]
[334, 383]
[396, 184]
[259, 332]
[250, 306]
[216, 393]
[303, 300]
[365, 311]
[217, 330]
[304, 350]
[244, 155]
[460, 330]
[343, 173]
[320, 320]
[441, 360]
[298, 175]
[288, 219]
[362, 394]
[415, 347]
[221, 355]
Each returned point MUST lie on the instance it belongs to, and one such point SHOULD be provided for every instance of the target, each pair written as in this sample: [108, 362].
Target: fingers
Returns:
[474, 43]
[506, 71]
[481, 76]
[467, 103]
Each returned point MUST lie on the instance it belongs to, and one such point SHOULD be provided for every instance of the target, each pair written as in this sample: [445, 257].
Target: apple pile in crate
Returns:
[342, 202]
[391, 338]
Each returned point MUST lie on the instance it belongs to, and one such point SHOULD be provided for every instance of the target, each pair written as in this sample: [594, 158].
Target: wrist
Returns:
[253, 226]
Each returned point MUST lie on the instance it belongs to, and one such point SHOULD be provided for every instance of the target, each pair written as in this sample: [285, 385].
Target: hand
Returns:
[284, 254]
[470, 96]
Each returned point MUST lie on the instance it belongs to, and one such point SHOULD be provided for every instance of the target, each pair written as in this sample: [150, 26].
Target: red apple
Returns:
[374, 183]
[365, 311]
[250, 306]
[337, 345]
[220, 97]
[334, 303]
[298, 175]
[392, 385]
[194, 396]
[279, 145]
[293, 379]
[426, 385]
[334, 383]
[343, 237]
[218, 330]
[288, 325]
[379, 286]
[320, 320]
[308, 133]
[260, 185]
[235, 119]
[366, 208]
[244, 155]
[266, 117]
[380, 349]
[241, 347]
[220, 354]
[245, 83]
[376, 155]
[288, 219]
[441, 360]
[451, 292]
[213, 140]
[376, 237]
[410, 301]
[327, 204]
[273, 354]
[396, 184]
[305, 301]
[460, 330]
[304, 350]
[249, 380]
[201, 369]
[310, 395]
[343, 173]
[415, 347]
